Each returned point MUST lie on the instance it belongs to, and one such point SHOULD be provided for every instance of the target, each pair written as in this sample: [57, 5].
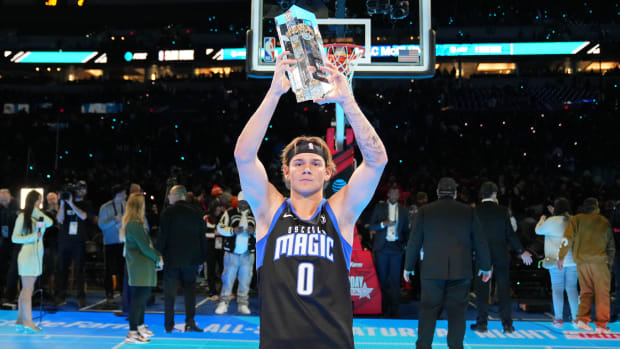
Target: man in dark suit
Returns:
[444, 236]
[182, 243]
[498, 232]
[390, 221]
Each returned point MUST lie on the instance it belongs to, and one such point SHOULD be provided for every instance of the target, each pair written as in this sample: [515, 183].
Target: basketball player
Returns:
[304, 243]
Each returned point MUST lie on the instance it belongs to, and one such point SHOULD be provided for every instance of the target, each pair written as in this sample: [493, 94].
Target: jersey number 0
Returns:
[305, 279]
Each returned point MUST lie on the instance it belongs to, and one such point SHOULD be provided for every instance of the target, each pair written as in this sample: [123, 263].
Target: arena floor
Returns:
[95, 330]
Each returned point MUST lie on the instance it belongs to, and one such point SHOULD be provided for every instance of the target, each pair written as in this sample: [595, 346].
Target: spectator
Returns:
[182, 243]
[552, 229]
[238, 227]
[142, 260]
[390, 221]
[498, 233]
[110, 221]
[447, 232]
[134, 188]
[590, 238]
[215, 255]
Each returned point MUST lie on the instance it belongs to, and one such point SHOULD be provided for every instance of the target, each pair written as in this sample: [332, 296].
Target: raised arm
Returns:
[541, 226]
[47, 221]
[260, 194]
[353, 197]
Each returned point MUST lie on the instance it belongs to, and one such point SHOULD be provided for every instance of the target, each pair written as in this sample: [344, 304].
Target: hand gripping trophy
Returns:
[299, 34]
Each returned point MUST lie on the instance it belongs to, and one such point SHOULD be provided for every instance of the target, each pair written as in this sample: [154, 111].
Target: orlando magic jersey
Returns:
[303, 275]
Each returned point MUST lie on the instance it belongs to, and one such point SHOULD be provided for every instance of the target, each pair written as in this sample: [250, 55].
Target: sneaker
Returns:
[144, 331]
[583, 326]
[243, 309]
[134, 337]
[602, 330]
[19, 328]
[574, 323]
[222, 307]
[557, 323]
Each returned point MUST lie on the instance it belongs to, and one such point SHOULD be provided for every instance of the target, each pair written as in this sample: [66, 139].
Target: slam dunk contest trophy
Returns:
[299, 34]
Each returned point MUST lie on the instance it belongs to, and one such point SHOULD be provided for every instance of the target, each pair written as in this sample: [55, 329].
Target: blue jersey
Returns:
[303, 274]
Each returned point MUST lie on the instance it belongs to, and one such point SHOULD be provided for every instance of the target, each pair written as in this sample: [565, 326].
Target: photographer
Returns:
[72, 215]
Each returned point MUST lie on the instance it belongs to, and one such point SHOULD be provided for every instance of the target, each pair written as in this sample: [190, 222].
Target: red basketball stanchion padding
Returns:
[365, 289]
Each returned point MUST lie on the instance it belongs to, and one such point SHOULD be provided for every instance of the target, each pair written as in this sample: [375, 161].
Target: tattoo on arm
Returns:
[368, 140]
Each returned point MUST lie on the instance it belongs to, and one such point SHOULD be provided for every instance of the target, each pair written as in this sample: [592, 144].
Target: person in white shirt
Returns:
[561, 280]
[28, 231]
[238, 227]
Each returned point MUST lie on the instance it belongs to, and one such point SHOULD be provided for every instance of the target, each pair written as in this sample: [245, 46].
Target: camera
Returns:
[67, 191]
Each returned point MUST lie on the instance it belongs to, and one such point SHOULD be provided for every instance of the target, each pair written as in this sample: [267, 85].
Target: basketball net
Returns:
[345, 57]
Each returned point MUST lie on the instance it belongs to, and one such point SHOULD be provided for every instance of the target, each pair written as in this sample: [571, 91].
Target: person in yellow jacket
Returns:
[28, 232]
[589, 237]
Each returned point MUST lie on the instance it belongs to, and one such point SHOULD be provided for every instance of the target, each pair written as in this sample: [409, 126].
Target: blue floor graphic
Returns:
[104, 330]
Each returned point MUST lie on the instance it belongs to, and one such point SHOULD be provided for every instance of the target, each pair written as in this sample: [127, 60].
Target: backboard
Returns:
[397, 37]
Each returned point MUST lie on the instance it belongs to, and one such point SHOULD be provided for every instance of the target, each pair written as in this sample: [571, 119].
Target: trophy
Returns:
[299, 34]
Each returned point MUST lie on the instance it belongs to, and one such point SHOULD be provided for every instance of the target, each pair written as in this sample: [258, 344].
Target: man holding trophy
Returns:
[304, 242]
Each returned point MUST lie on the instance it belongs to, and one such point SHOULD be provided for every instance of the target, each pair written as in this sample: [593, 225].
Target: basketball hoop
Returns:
[345, 57]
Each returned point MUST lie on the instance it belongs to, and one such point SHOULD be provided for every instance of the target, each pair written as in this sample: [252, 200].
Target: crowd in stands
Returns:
[520, 131]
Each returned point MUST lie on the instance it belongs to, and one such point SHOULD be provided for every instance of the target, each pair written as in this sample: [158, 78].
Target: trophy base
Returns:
[315, 91]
